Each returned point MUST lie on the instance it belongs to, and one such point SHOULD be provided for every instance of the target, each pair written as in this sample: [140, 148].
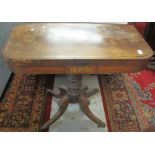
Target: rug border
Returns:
[135, 99]
[104, 106]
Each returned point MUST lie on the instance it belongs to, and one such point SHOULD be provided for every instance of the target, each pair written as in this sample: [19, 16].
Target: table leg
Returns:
[57, 94]
[75, 93]
[84, 104]
[63, 104]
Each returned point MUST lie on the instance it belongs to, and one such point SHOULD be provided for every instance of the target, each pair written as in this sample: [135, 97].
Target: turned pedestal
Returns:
[75, 93]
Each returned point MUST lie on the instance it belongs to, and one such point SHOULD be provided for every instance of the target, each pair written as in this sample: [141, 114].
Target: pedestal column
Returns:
[74, 84]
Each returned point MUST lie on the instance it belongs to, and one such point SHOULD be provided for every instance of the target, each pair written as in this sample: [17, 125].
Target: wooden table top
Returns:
[86, 42]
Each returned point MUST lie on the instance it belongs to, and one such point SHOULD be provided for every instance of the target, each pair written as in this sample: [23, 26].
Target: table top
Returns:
[75, 48]
[60, 41]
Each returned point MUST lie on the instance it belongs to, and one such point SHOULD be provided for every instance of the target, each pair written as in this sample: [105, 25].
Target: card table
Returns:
[75, 49]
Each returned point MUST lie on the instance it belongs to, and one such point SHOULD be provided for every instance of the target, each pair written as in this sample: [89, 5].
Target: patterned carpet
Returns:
[21, 107]
[129, 101]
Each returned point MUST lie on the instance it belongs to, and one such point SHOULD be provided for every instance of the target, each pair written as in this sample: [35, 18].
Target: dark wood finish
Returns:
[73, 48]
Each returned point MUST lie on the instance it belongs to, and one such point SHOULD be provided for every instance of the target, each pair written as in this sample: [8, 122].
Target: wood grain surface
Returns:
[93, 48]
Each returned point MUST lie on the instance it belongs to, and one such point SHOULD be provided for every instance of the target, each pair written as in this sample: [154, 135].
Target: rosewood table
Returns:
[75, 49]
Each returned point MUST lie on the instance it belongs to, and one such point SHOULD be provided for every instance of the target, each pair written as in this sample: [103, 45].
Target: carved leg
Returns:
[74, 93]
[57, 94]
[91, 92]
[63, 104]
[84, 88]
[84, 104]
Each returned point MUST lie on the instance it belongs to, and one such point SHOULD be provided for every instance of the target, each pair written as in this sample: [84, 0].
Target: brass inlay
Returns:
[80, 69]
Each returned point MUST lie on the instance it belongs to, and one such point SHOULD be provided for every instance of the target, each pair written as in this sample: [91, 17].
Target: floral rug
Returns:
[22, 106]
[129, 101]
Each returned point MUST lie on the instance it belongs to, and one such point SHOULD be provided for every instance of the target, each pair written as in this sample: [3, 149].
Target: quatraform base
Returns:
[75, 93]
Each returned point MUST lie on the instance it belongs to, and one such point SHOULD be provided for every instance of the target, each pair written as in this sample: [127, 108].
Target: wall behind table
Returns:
[5, 72]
